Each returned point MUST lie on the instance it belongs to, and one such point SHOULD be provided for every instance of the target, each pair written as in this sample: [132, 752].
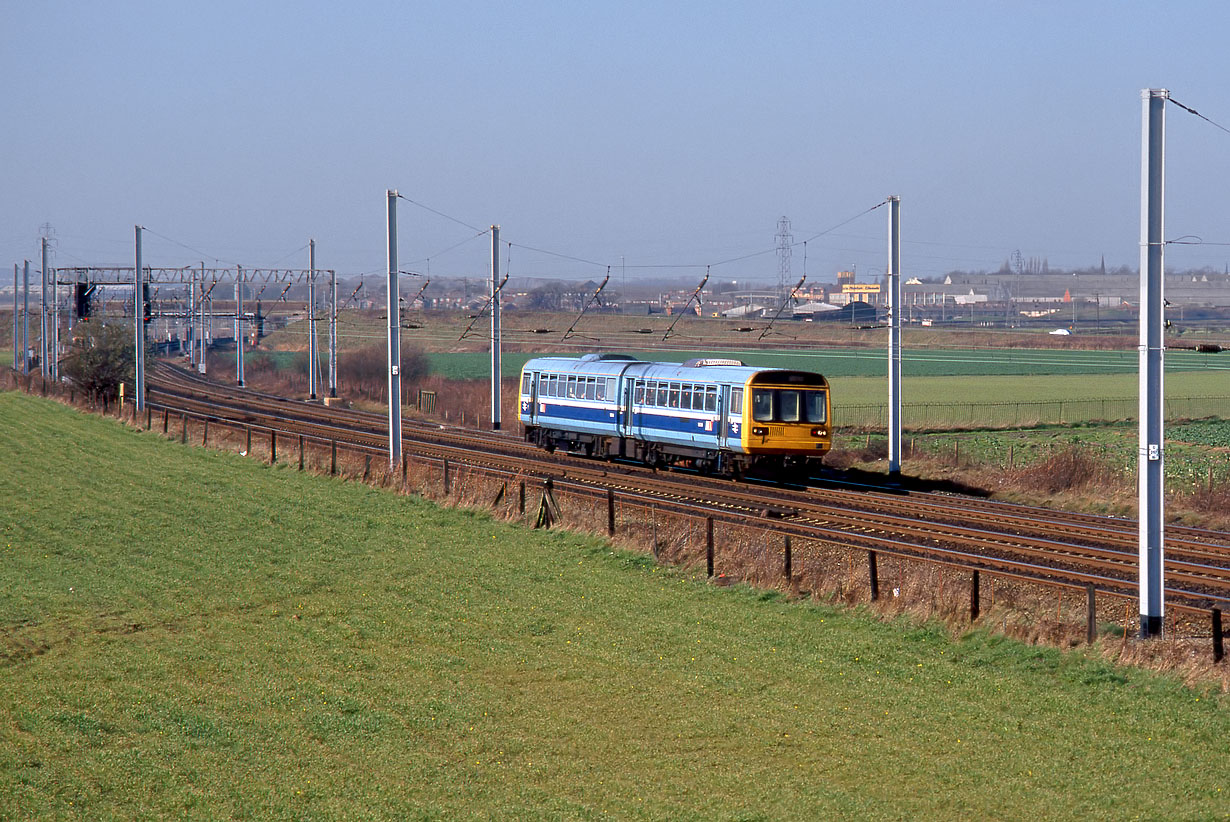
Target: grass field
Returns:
[956, 390]
[189, 633]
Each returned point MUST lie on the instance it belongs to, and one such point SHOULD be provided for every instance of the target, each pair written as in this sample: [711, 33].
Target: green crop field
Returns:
[188, 633]
[872, 362]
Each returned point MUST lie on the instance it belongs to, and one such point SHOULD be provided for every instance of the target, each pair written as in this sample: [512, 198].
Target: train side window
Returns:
[639, 394]
[610, 389]
[711, 398]
[673, 396]
[590, 388]
[661, 395]
[571, 387]
[600, 391]
[736, 402]
[762, 404]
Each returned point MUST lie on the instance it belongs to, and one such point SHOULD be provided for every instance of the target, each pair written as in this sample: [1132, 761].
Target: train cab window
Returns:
[711, 398]
[762, 404]
[814, 406]
[736, 402]
[789, 406]
[526, 380]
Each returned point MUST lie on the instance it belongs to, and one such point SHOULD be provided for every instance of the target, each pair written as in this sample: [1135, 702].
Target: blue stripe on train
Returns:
[606, 420]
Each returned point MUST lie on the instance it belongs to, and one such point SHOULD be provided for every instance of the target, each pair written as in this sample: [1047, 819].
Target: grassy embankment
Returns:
[185, 631]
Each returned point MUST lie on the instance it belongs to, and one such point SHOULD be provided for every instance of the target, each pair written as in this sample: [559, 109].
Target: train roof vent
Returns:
[702, 362]
[607, 358]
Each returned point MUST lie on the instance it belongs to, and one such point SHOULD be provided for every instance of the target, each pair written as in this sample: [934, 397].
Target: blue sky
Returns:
[656, 134]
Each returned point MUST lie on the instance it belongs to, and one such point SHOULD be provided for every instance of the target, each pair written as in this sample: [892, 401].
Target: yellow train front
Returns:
[786, 419]
[714, 415]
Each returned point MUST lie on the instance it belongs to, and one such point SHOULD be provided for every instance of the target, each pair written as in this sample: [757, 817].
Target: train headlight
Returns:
[759, 430]
[818, 432]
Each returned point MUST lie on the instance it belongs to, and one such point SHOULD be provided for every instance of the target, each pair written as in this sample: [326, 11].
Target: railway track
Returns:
[976, 534]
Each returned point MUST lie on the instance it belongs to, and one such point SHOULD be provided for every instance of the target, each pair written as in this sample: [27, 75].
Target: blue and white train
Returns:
[715, 415]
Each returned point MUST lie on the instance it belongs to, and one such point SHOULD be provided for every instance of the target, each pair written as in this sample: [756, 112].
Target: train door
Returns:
[722, 405]
[625, 417]
[529, 396]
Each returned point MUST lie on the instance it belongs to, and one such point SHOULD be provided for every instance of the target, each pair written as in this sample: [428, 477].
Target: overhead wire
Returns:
[401, 196]
[190, 248]
[1191, 110]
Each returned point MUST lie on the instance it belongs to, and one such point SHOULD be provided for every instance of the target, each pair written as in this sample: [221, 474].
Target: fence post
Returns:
[521, 499]
[447, 483]
[547, 509]
[300, 452]
[247, 449]
[405, 462]
[787, 571]
[166, 417]
[709, 544]
[974, 604]
[205, 433]
[873, 575]
[333, 458]
[183, 430]
[367, 467]
[1091, 614]
[1219, 650]
[149, 413]
[610, 512]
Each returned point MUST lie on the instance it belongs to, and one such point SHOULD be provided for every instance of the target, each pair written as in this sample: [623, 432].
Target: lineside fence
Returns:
[958, 414]
[733, 549]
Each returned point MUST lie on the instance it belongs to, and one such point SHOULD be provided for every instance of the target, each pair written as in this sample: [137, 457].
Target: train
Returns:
[714, 415]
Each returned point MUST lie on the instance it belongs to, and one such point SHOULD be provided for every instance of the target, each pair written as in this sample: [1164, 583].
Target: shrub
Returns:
[101, 356]
[1068, 469]
[365, 371]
